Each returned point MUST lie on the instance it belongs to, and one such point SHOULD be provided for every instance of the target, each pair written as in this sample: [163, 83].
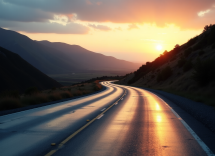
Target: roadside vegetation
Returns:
[32, 96]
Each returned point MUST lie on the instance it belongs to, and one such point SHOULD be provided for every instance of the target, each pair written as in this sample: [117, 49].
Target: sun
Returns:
[159, 47]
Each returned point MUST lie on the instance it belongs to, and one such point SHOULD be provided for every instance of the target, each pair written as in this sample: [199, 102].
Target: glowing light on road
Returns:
[157, 106]
[159, 118]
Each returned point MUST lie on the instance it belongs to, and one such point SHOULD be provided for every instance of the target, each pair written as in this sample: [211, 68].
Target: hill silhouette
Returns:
[59, 58]
[17, 74]
[90, 60]
[186, 69]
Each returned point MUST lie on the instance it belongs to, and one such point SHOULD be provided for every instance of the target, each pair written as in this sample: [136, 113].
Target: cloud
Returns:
[202, 13]
[12, 12]
[159, 12]
[132, 26]
[47, 27]
[100, 27]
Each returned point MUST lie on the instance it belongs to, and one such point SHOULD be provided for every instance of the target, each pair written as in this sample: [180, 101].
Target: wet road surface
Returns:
[138, 124]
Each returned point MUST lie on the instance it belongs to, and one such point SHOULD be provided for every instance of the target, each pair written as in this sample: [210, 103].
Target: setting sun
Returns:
[159, 47]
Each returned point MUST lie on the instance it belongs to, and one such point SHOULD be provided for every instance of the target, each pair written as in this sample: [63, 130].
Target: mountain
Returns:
[188, 69]
[90, 60]
[17, 74]
[47, 60]
[60, 58]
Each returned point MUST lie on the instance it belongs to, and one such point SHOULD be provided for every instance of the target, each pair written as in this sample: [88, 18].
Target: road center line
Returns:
[83, 127]
[100, 116]
[103, 109]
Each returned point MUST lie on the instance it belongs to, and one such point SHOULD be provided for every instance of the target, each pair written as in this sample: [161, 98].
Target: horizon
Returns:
[141, 35]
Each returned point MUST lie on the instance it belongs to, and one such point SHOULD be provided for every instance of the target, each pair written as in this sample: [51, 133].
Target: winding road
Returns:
[119, 121]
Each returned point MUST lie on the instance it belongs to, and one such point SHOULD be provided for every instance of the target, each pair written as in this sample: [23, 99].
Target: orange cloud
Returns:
[160, 12]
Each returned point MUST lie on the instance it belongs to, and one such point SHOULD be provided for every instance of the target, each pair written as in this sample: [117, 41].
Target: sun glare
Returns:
[159, 47]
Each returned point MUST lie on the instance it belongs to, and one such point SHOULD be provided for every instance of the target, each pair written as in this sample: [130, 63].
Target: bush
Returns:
[10, 93]
[202, 44]
[192, 41]
[164, 74]
[188, 51]
[181, 62]
[31, 91]
[78, 93]
[9, 103]
[204, 72]
[187, 66]
[54, 96]
[35, 99]
[65, 94]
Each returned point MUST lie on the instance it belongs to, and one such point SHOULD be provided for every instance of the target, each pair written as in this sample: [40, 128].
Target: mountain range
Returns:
[60, 58]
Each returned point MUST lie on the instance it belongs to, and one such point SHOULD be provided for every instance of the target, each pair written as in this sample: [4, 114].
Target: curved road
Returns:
[122, 121]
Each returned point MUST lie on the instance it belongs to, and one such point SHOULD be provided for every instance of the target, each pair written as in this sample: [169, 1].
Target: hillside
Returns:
[47, 60]
[188, 69]
[60, 58]
[17, 74]
[90, 60]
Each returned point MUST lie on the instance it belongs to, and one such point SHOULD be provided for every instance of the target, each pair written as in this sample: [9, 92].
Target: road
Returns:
[123, 121]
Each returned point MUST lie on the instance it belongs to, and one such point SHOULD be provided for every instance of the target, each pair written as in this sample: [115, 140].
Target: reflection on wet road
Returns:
[139, 124]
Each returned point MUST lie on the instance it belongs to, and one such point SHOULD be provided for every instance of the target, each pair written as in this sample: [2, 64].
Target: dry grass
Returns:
[48, 95]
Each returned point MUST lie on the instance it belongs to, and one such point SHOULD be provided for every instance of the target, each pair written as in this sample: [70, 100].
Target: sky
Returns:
[133, 30]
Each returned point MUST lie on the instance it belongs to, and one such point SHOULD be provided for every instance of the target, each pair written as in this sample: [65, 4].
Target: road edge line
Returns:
[200, 142]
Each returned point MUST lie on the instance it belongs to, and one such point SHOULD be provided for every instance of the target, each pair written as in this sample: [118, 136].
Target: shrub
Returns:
[192, 41]
[31, 91]
[9, 103]
[35, 99]
[164, 74]
[10, 93]
[96, 88]
[54, 96]
[187, 66]
[181, 62]
[188, 51]
[65, 94]
[204, 72]
[201, 44]
[77, 93]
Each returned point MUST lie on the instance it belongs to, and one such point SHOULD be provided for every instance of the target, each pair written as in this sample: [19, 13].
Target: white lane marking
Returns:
[103, 109]
[122, 99]
[116, 103]
[201, 143]
[100, 116]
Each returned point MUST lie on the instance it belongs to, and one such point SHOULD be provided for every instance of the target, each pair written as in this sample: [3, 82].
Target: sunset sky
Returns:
[134, 30]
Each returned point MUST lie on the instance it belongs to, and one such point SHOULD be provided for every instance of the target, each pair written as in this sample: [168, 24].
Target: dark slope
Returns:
[187, 68]
[90, 60]
[46, 59]
[17, 74]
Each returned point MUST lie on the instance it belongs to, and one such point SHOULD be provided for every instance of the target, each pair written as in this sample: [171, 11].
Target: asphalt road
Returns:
[139, 123]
